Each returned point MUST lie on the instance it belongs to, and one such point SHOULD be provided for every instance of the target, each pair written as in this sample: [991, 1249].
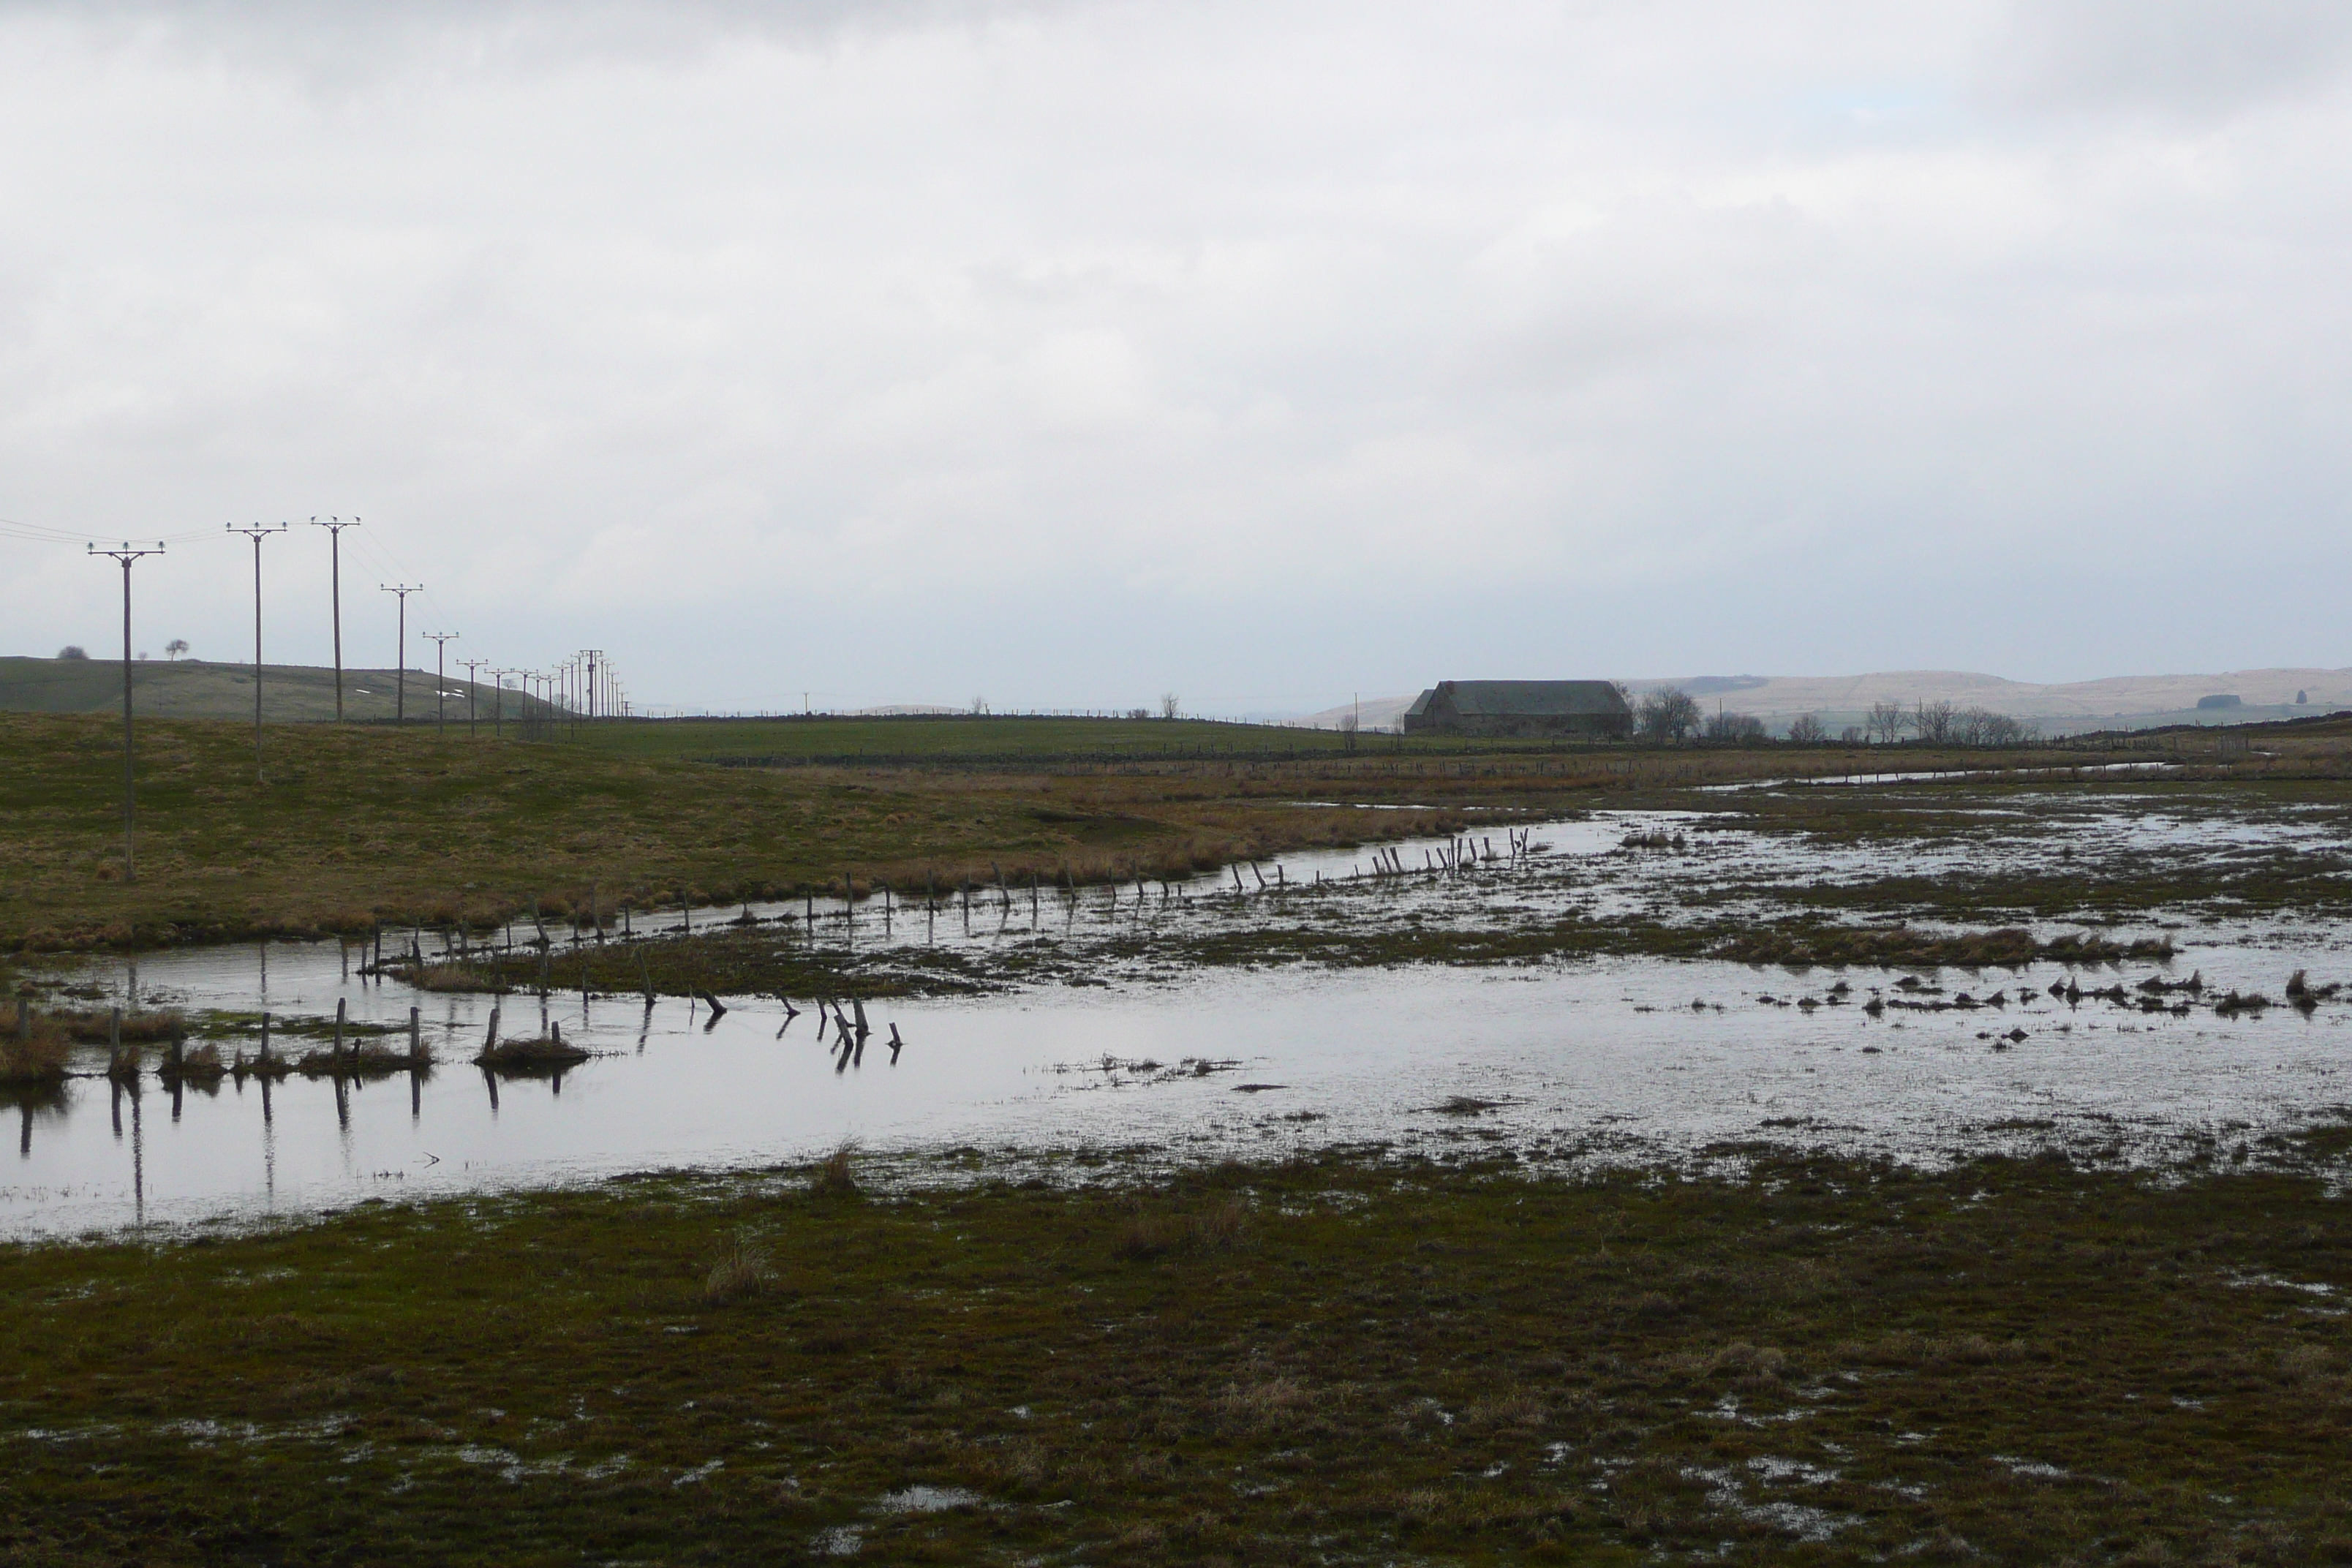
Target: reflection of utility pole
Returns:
[400, 673]
[334, 527]
[440, 680]
[257, 532]
[472, 682]
[127, 556]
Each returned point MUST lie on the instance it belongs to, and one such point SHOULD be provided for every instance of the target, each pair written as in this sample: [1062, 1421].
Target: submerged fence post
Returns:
[114, 1041]
[264, 1036]
[340, 1005]
[416, 1036]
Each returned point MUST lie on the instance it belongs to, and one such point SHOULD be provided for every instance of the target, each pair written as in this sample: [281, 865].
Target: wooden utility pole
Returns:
[127, 556]
[400, 673]
[257, 532]
[472, 681]
[334, 527]
[440, 680]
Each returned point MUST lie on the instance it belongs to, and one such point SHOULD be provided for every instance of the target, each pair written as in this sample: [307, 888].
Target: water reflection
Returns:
[1603, 1057]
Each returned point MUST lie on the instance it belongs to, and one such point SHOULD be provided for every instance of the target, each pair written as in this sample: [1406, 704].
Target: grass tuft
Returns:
[741, 1271]
[833, 1176]
[1222, 1227]
[39, 1058]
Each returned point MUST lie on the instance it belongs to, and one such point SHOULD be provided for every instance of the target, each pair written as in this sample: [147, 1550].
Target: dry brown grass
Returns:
[201, 1064]
[537, 1054]
[39, 1055]
[741, 1271]
[458, 976]
[96, 1024]
[1222, 1227]
[833, 1177]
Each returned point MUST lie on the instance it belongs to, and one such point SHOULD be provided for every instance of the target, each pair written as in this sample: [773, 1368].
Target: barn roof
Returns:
[1421, 703]
[1531, 698]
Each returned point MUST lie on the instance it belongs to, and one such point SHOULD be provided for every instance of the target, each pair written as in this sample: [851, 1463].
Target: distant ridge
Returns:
[2124, 701]
[199, 689]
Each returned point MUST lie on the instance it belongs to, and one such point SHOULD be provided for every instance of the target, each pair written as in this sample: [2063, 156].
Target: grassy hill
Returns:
[196, 688]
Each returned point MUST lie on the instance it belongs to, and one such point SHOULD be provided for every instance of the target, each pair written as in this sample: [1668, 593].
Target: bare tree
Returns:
[175, 648]
[1735, 729]
[1669, 713]
[1168, 705]
[1933, 720]
[1887, 722]
[980, 704]
[1850, 735]
[1806, 730]
[1981, 727]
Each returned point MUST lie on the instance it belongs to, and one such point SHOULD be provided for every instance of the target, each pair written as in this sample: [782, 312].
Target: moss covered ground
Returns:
[1347, 1360]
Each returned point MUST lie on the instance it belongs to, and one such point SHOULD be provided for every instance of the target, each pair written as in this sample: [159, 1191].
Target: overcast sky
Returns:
[1067, 354]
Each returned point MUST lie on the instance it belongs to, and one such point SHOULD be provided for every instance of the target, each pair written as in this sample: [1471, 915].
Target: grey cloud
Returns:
[1327, 341]
[2186, 59]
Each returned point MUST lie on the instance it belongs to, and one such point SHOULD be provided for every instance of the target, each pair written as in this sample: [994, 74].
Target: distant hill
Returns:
[196, 688]
[2121, 702]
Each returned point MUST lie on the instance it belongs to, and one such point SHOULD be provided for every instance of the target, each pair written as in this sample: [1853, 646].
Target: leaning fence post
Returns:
[340, 1004]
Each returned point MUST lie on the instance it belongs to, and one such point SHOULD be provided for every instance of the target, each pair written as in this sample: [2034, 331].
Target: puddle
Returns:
[1586, 1061]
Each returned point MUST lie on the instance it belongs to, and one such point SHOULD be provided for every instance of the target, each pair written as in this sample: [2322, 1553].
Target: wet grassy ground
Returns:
[357, 824]
[770, 961]
[1350, 1360]
[1353, 1359]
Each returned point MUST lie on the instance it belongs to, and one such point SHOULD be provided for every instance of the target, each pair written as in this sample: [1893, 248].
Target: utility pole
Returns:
[127, 554]
[334, 527]
[472, 681]
[499, 705]
[400, 673]
[257, 532]
[440, 679]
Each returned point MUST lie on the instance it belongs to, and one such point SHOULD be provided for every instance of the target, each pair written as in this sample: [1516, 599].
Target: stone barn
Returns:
[1590, 709]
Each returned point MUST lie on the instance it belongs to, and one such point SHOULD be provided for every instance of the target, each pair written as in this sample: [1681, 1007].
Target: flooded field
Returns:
[1237, 1015]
